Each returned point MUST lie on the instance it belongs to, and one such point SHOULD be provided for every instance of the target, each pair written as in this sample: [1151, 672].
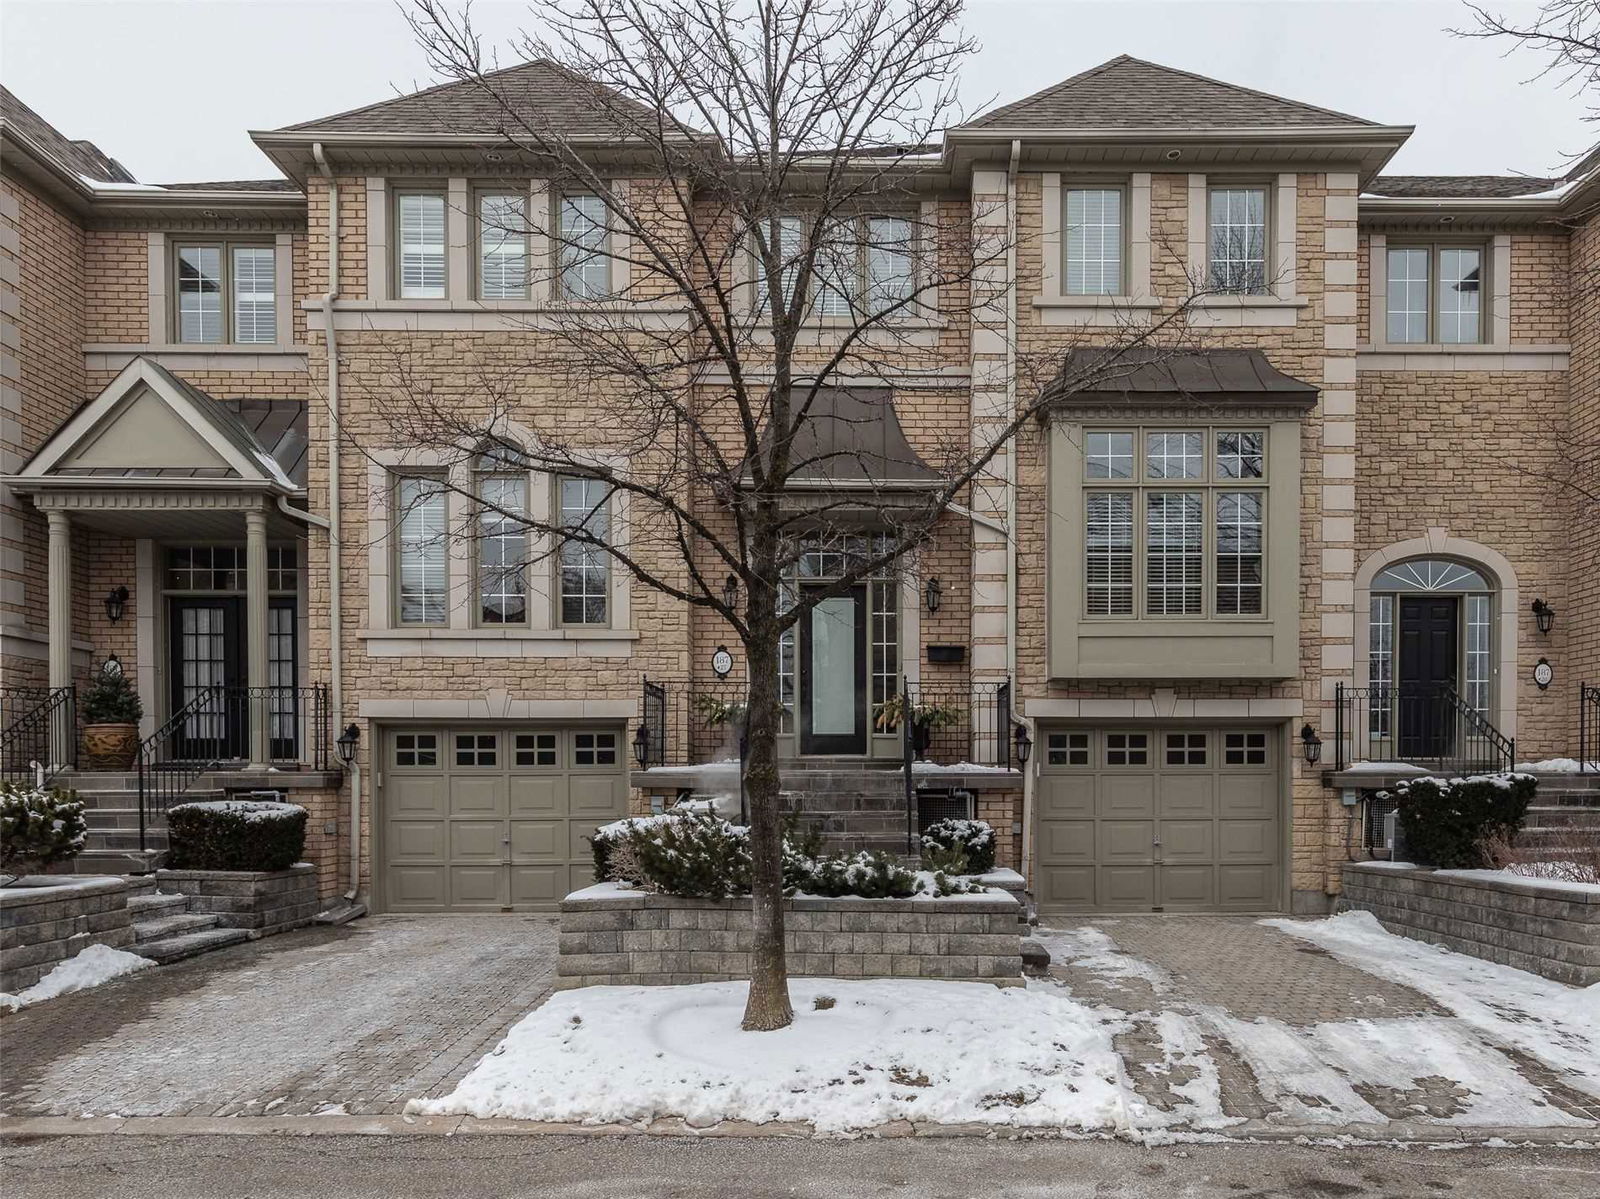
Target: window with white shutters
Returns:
[421, 517]
[421, 245]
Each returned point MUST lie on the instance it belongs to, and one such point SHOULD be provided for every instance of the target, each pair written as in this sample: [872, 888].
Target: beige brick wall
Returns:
[1580, 451]
[117, 287]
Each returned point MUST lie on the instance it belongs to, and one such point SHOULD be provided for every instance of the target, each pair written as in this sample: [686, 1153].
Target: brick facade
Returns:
[1478, 447]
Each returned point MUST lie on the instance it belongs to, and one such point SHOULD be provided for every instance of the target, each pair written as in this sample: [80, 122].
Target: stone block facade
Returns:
[54, 918]
[613, 937]
[262, 902]
[1547, 929]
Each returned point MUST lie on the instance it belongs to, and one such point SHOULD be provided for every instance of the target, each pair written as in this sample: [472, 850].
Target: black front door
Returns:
[206, 654]
[1426, 670]
[833, 675]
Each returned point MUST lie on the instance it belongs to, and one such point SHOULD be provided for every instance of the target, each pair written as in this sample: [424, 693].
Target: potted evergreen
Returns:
[111, 713]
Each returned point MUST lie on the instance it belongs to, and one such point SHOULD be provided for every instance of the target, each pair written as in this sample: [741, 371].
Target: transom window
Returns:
[536, 749]
[1193, 550]
[420, 246]
[416, 749]
[585, 268]
[476, 749]
[1093, 241]
[222, 568]
[594, 749]
[502, 246]
[1238, 261]
[226, 292]
[1434, 293]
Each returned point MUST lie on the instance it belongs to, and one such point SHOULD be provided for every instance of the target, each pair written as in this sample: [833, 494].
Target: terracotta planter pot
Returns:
[109, 746]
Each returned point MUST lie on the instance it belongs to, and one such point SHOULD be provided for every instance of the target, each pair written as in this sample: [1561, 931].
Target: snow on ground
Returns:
[1558, 1025]
[92, 966]
[1090, 949]
[1556, 766]
[887, 1050]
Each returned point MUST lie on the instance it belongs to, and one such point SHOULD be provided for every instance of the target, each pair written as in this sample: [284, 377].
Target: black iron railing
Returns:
[38, 732]
[957, 723]
[691, 723]
[213, 729]
[1588, 729]
[1431, 727]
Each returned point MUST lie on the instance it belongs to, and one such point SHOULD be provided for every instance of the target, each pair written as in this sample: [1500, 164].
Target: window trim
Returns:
[397, 478]
[1124, 189]
[1433, 246]
[479, 193]
[397, 194]
[1211, 484]
[225, 247]
[1269, 264]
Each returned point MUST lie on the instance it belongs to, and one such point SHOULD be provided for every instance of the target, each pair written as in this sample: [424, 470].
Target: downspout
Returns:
[335, 540]
[1011, 499]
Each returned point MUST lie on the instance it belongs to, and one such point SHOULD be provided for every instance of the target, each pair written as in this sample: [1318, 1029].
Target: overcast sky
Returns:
[169, 88]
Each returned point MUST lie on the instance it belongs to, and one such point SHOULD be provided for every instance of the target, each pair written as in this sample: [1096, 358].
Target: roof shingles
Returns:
[1130, 93]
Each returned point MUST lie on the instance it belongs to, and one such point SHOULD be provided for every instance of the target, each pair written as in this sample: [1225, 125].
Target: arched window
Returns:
[1431, 626]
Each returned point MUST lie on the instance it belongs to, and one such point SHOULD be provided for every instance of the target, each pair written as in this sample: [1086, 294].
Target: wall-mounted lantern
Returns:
[1544, 616]
[1023, 743]
[641, 745]
[931, 596]
[730, 592]
[116, 602]
[347, 742]
[1310, 745]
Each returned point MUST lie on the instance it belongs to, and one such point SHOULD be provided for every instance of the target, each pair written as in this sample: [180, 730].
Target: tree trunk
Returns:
[768, 1006]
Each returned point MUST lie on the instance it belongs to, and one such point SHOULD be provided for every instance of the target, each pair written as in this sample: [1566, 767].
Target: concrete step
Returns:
[1562, 816]
[166, 927]
[142, 889]
[96, 859]
[148, 902]
[857, 823]
[1550, 838]
[187, 945]
[98, 780]
[123, 840]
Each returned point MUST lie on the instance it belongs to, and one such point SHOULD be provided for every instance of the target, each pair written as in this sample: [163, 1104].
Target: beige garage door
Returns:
[1160, 820]
[489, 819]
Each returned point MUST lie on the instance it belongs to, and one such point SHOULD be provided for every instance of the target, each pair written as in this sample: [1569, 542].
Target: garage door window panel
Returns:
[477, 749]
[1127, 749]
[416, 749]
[537, 750]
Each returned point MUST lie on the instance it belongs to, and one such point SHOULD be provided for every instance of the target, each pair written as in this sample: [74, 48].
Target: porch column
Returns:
[255, 567]
[59, 587]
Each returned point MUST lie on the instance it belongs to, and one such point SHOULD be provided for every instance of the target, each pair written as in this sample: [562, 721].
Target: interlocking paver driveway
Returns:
[1222, 1011]
[359, 1018]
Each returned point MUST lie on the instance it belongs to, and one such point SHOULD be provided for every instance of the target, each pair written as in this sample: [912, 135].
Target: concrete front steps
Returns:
[1565, 811]
[164, 930]
[852, 805]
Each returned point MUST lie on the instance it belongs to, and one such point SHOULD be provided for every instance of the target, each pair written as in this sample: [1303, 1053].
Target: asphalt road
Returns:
[500, 1167]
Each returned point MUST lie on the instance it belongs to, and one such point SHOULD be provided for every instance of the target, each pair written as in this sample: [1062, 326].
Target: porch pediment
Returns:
[148, 427]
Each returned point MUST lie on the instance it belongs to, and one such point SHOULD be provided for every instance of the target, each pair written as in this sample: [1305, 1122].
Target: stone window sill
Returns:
[1097, 302]
[432, 634]
[1264, 301]
[1471, 347]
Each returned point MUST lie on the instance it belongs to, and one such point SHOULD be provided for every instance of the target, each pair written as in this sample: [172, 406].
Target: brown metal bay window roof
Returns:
[851, 438]
[1150, 374]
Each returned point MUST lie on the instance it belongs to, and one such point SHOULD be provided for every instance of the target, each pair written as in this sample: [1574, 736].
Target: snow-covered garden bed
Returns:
[1545, 926]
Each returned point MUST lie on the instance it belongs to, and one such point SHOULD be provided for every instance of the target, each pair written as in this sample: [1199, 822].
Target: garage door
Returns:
[487, 819]
[1152, 820]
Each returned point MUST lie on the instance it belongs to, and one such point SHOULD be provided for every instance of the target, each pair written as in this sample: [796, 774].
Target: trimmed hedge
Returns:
[1445, 822]
[38, 828]
[945, 843]
[236, 834]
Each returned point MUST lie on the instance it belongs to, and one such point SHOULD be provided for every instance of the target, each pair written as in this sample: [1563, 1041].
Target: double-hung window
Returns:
[1092, 237]
[226, 292]
[1174, 522]
[863, 267]
[1434, 293]
[420, 520]
[1238, 240]
[502, 246]
[502, 543]
[421, 244]
[584, 583]
[585, 267]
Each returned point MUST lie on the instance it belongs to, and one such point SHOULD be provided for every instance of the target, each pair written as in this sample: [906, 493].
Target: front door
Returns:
[833, 675]
[1428, 651]
[206, 651]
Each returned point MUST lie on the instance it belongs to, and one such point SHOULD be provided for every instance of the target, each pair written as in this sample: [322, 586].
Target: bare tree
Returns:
[776, 244]
[1567, 32]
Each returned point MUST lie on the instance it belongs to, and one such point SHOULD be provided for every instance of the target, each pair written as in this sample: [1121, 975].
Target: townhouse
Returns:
[1179, 640]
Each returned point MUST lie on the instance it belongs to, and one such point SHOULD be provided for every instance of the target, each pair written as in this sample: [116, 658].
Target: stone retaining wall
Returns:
[43, 925]
[613, 937]
[1523, 923]
[261, 901]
